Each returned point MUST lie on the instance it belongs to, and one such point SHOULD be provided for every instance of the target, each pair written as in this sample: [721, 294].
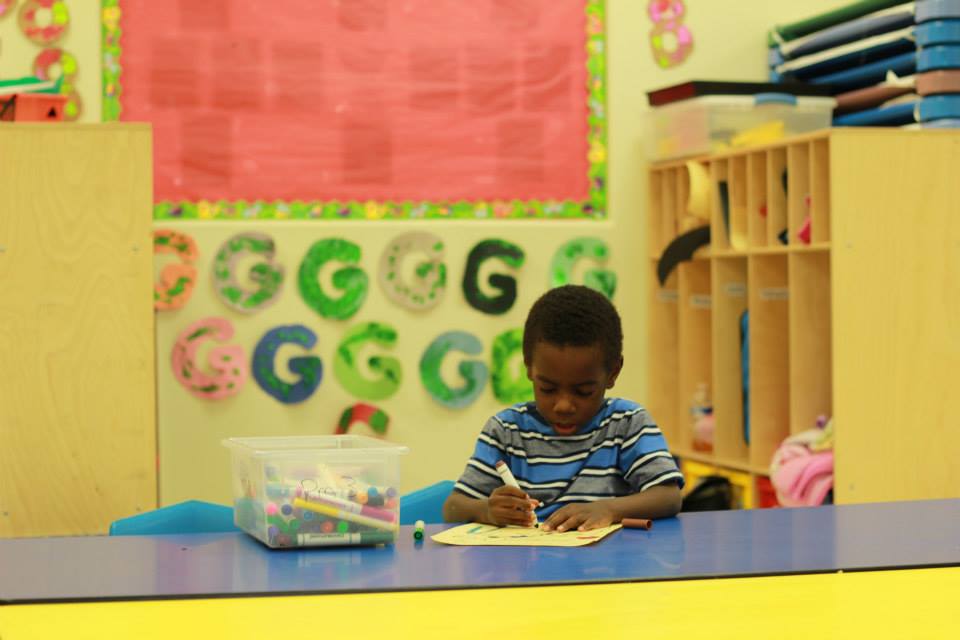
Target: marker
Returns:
[637, 523]
[373, 512]
[510, 481]
[334, 512]
[418, 531]
[331, 539]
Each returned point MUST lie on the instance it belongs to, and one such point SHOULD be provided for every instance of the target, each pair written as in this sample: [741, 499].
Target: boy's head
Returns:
[573, 350]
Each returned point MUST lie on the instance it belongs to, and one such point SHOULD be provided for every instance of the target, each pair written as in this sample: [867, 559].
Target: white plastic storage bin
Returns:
[709, 124]
[316, 491]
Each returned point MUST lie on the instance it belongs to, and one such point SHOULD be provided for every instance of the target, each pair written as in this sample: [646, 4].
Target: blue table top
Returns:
[693, 545]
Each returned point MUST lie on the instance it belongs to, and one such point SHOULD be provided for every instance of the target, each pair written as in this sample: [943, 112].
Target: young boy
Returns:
[590, 461]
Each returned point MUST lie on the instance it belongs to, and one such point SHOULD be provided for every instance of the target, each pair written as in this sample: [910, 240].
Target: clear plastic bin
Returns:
[709, 124]
[316, 491]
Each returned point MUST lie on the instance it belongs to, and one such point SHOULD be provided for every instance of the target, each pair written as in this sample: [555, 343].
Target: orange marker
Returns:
[637, 523]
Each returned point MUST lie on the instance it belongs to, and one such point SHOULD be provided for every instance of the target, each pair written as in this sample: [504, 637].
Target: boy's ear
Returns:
[612, 379]
[529, 372]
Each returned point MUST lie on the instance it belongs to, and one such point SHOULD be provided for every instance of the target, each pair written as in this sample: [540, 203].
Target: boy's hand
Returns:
[509, 505]
[580, 516]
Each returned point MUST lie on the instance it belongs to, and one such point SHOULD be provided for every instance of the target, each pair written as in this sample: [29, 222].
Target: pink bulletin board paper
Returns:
[364, 108]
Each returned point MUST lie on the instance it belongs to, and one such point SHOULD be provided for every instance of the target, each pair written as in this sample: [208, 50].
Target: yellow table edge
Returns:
[918, 603]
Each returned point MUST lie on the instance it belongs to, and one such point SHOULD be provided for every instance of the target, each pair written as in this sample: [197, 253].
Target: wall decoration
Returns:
[567, 256]
[473, 372]
[365, 413]
[509, 381]
[266, 275]
[387, 370]
[351, 280]
[670, 39]
[227, 361]
[7, 7]
[56, 64]
[177, 280]
[535, 89]
[309, 369]
[44, 21]
[509, 253]
[429, 284]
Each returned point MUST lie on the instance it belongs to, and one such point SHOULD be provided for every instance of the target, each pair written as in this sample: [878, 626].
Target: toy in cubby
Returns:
[287, 498]
[741, 483]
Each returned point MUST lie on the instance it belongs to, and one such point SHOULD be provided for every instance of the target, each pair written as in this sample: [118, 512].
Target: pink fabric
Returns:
[802, 478]
[360, 99]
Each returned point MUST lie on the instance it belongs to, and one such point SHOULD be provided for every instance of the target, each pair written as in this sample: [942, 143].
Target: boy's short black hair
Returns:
[574, 315]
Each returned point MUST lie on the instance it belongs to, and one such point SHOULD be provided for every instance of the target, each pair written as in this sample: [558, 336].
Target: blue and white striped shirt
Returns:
[620, 452]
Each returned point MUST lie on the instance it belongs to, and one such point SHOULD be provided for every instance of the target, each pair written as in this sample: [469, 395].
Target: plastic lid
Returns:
[327, 445]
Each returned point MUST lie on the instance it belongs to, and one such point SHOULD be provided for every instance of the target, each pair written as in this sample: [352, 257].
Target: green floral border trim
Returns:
[595, 207]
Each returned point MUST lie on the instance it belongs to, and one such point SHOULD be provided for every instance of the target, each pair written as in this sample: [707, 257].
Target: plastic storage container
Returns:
[316, 491]
[709, 124]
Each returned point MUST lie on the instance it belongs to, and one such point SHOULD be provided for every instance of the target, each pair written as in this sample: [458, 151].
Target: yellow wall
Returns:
[82, 40]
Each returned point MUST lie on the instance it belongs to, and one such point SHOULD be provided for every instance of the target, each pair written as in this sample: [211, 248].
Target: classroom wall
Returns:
[729, 43]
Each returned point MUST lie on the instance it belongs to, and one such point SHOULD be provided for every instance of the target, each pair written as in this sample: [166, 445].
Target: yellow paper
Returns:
[474, 534]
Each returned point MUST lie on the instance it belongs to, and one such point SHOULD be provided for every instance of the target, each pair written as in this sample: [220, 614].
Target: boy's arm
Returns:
[506, 505]
[461, 508]
[660, 501]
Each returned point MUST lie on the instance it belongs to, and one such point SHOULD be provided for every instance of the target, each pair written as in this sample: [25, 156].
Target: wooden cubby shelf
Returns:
[837, 246]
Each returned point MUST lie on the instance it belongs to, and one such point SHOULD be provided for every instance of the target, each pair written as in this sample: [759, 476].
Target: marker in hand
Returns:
[510, 481]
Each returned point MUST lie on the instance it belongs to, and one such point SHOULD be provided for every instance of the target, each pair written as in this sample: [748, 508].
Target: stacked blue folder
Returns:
[889, 63]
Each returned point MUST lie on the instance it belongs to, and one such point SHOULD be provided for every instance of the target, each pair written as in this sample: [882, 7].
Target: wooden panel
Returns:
[811, 379]
[798, 188]
[776, 195]
[662, 360]
[683, 199]
[668, 212]
[738, 203]
[896, 314]
[769, 366]
[77, 406]
[719, 206]
[820, 191]
[757, 199]
[653, 212]
[729, 302]
[694, 341]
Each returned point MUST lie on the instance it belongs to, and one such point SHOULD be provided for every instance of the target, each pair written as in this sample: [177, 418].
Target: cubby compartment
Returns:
[719, 206]
[768, 331]
[777, 186]
[694, 345]
[855, 187]
[739, 240]
[730, 290]
[668, 213]
[811, 380]
[757, 199]
[662, 359]
[683, 199]
[798, 192]
[654, 232]
[820, 192]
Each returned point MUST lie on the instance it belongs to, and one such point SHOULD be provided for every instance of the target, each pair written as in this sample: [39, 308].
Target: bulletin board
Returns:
[367, 109]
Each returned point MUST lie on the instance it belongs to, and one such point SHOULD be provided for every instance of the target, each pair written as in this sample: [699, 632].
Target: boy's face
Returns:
[569, 384]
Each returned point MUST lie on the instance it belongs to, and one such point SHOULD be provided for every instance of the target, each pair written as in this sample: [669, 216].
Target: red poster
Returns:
[358, 100]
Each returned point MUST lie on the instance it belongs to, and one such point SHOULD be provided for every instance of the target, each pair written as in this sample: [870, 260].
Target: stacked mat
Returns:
[889, 62]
